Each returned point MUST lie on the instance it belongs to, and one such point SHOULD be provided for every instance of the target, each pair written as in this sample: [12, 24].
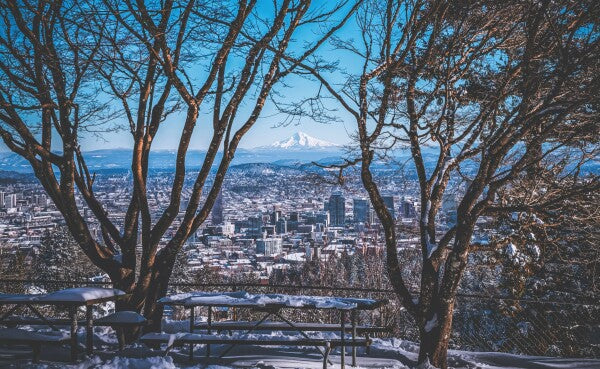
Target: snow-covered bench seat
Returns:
[121, 320]
[16, 320]
[118, 321]
[15, 336]
[229, 326]
[179, 339]
[282, 326]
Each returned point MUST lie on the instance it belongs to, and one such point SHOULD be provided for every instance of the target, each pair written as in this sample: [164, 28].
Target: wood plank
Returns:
[21, 336]
[204, 339]
[282, 326]
[30, 320]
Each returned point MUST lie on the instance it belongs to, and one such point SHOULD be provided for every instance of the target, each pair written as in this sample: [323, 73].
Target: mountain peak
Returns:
[302, 140]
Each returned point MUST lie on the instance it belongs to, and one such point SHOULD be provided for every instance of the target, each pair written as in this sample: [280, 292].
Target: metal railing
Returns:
[481, 323]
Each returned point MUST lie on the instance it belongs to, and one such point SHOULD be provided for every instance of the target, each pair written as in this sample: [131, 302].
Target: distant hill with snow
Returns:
[301, 141]
[300, 148]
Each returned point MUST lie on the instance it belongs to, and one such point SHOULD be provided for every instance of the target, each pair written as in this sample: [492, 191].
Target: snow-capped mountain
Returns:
[301, 140]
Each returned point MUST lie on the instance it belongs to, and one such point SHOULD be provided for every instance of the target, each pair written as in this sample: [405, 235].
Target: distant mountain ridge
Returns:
[109, 159]
[299, 148]
[297, 151]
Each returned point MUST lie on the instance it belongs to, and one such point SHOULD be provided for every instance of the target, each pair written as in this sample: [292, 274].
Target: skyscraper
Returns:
[268, 246]
[389, 204]
[281, 226]
[323, 218]
[337, 209]
[361, 211]
[408, 208]
[10, 201]
[217, 210]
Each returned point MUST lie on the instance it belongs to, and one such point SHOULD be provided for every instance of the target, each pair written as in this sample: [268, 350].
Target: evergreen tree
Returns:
[60, 258]
[13, 266]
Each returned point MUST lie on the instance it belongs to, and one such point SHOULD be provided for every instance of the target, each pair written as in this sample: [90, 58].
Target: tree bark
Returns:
[435, 334]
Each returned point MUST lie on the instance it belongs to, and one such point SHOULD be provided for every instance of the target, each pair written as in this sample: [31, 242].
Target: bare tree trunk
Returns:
[435, 337]
[157, 288]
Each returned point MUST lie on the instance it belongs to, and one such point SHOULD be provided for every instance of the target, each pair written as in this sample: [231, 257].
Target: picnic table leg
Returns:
[253, 328]
[343, 345]
[36, 347]
[291, 324]
[192, 322]
[89, 330]
[209, 330]
[353, 322]
[73, 316]
[326, 354]
[120, 338]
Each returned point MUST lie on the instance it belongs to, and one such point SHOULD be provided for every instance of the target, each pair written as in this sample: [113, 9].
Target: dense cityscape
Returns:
[266, 218]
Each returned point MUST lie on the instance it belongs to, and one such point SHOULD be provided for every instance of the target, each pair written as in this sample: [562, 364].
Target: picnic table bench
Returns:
[18, 320]
[120, 318]
[16, 336]
[271, 305]
[173, 340]
[237, 325]
[71, 299]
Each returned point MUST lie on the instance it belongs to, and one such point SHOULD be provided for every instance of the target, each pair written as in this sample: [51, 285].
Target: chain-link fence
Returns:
[481, 323]
[529, 327]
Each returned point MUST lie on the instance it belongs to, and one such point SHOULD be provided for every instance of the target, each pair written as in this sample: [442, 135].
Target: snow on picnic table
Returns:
[243, 298]
[210, 298]
[17, 297]
[21, 334]
[131, 317]
[81, 294]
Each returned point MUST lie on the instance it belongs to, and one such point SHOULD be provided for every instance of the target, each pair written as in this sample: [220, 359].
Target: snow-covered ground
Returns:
[385, 353]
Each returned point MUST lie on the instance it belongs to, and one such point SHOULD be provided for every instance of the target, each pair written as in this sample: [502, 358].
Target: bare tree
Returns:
[68, 68]
[499, 93]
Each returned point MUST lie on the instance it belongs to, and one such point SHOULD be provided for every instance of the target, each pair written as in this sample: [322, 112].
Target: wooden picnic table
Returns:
[72, 299]
[271, 305]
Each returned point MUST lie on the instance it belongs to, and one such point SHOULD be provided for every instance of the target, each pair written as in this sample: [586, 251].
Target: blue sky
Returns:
[268, 128]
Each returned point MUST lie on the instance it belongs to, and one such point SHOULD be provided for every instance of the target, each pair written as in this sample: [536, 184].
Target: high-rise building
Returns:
[40, 200]
[408, 209]
[323, 218]
[268, 246]
[217, 210]
[361, 211]
[281, 226]
[255, 222]
[275, 216]
[10, 201]
[183, 205]
[2, 196]
[337, 209]
[389, 204]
